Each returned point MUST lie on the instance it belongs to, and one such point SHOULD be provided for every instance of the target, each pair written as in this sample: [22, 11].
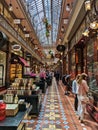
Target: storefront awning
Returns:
[24, 62]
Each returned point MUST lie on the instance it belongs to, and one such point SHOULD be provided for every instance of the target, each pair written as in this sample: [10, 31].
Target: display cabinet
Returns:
[15, 122]
[15, 71]
[1, 74]
[92, 65]
[34, 97]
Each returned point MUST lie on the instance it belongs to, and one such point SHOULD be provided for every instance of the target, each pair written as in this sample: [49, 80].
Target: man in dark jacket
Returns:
[63, 79]
[66, 82]
[57, 77]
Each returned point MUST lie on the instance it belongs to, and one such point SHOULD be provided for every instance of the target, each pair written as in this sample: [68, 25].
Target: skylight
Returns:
[40, 9]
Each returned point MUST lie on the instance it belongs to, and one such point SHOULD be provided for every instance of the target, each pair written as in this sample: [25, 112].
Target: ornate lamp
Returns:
[87, 5]
[86, 33]
[94, 25]
[90, 4]
[10, 6]
[92, 7]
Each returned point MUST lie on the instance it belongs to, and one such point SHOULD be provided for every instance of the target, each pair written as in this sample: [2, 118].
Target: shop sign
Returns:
[16, 21]
[27, 35]
[16, 47]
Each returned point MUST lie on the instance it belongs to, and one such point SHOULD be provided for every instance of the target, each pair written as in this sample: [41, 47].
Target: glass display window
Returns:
[27, 70]
[92, 64]
[15, 71]
[1, 8]
[2, 68]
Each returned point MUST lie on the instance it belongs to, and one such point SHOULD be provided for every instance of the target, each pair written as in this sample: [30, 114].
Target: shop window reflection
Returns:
[92, 65]
[2, 68]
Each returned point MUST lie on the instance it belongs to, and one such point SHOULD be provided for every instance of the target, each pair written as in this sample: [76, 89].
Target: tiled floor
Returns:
[57, 113]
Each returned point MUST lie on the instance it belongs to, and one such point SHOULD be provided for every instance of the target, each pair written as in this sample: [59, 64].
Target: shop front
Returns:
[17, 66]
[2, 68]
[92, 63]
[3, 54]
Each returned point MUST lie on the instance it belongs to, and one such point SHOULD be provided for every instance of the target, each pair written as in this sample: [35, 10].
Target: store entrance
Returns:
[2, 68]
[79, 49]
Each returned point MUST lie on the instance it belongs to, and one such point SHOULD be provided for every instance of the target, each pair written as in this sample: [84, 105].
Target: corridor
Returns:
[57, 113]
[40, 39]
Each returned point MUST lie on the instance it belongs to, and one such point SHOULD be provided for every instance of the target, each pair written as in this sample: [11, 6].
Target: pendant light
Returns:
[87, 5]
[10, 6]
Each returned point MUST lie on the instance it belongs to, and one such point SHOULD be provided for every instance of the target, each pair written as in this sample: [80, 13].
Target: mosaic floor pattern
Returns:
[55, 113]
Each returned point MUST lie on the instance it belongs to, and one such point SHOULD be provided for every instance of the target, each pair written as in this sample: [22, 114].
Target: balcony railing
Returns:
[15, 34]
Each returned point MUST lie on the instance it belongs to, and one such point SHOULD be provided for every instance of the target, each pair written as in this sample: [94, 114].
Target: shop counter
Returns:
[15, 122]
[34, 97]
[35, 100]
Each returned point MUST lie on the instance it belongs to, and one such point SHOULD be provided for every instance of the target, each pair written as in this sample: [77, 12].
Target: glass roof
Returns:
[49, 9]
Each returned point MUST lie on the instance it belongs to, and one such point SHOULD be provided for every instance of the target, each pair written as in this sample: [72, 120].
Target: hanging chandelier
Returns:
[92, 7]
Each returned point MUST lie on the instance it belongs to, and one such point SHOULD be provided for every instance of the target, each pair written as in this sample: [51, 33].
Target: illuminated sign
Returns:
[16, 47]
[16, 21]
[27, 35]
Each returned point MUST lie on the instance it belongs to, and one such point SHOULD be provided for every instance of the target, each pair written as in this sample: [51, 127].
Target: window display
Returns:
[92, 65]
[72, 67]
[2, 68]
[15, 71]
[1, 74]
[27, 69]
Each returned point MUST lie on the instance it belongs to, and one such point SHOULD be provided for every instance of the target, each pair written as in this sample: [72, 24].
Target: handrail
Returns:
[4, 23]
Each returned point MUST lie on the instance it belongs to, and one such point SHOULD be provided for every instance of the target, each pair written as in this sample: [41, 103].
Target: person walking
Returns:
[75, 88]
[68, 84]
[82, 95]
[57, 77]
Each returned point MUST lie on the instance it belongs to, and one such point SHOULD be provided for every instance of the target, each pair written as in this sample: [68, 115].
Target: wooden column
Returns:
[8, 58]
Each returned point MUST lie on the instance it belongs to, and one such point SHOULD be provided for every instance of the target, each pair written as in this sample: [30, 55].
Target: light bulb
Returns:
[68, 7]
[94, 25]
[87, 5]
[10, 7]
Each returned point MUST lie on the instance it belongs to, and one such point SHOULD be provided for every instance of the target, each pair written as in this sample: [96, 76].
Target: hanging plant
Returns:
[48, 27]
[50, 52]
[44, 20]
[47, 34]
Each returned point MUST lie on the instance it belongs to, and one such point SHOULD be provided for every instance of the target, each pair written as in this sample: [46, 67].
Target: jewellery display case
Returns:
[92, 65]
[15, 71]
[34, 97]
